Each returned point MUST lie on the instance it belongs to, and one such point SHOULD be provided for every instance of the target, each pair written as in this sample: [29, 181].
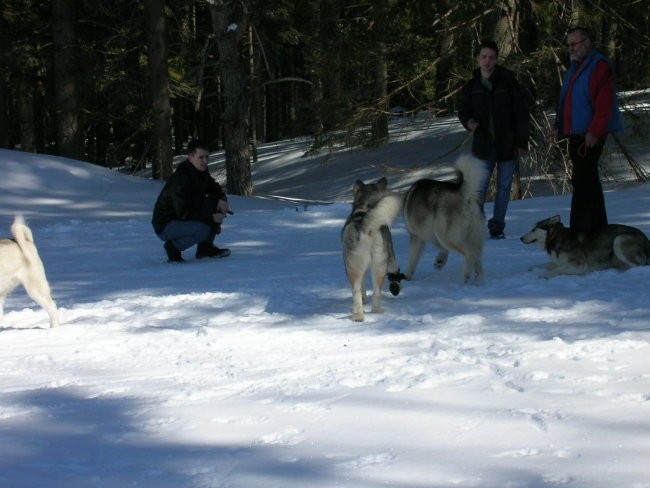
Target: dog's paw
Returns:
[441, 260]
[394, 288]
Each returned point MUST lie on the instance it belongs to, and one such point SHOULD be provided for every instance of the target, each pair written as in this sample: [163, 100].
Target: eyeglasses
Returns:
[574, 44]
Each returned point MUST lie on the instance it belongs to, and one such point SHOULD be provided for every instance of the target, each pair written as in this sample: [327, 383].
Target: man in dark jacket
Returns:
[494, 106]
[190, 208]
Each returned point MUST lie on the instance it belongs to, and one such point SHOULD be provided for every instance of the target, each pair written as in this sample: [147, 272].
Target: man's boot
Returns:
[209, 250]
[173, 254]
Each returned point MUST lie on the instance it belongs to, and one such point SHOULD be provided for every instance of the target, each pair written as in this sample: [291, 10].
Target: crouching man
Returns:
[190, 208]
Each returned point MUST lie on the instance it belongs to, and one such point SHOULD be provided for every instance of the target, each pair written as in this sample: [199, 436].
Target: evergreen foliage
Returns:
[331, 69]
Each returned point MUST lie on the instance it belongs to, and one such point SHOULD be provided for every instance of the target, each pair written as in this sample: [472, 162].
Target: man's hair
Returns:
[584, 32]
[195, 144]
[490, 44]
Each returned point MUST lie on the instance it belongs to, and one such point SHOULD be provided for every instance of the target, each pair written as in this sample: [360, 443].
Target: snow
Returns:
[249, 372]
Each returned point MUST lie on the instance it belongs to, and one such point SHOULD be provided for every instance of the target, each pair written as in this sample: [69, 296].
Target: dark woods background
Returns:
[128, 83]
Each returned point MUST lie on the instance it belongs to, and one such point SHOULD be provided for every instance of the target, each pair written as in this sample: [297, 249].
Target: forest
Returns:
[128, 83]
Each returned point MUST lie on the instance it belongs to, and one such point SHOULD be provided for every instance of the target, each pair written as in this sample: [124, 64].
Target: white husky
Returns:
[21, 264]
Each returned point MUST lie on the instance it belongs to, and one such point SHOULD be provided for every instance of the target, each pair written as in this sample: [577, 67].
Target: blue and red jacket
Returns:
[588, 101]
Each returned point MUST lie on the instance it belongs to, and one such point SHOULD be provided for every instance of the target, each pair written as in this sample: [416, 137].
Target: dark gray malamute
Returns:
[449, 215]
[579, 252]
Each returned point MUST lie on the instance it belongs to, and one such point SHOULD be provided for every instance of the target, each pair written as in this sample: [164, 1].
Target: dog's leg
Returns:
[392, 266]
[630, 250]
[565, 268]
[416, 248]
[388, 251]
[377, 284]
[551, 273]
[477, 269]
[357, 284]
[475, 260]
[544, 266]
[443, 253]
[469, 258]
[364, 293]
[469, 265]
[382, 257]
[40, 293]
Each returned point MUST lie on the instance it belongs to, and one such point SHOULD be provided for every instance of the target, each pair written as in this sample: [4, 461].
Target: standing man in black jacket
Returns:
[190, 208]
[494, 106]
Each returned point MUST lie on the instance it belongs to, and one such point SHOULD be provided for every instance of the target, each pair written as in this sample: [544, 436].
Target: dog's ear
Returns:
[555, 220]
[382, 183]
[357, 186]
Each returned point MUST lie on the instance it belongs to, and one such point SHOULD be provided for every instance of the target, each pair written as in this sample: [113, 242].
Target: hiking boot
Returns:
[209, 250]
[497, 235]
[173, 254]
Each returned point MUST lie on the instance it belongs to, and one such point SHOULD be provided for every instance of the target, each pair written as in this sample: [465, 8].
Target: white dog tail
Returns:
[25, 240]
[384, 212]
[474, 173]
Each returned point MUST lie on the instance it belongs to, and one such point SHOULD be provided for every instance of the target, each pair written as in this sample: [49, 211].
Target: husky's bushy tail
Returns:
[25, 240]
[471, 175]
[384, 212]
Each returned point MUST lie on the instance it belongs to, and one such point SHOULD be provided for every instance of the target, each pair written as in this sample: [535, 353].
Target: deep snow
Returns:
[248, 371]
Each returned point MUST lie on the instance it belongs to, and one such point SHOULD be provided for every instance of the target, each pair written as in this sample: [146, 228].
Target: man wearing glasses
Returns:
[190, 208]
[587, 113]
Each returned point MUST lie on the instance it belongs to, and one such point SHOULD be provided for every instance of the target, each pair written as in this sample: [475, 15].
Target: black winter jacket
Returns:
[509, 104]
[183, 197]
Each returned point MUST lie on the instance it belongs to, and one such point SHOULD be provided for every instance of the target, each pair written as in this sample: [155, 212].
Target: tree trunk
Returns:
[4, 121]
[444, 70]
[68, 135]
[506, 28]
[158, 89]
[380, 122]
[527, 28]
[230, 27]
[26, 111]
[4, 92]
[315, 57]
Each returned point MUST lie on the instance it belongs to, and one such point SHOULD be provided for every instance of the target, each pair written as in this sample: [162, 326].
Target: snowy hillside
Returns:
[248, 372]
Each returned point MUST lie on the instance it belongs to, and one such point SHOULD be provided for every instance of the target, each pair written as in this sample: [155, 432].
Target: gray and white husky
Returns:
[579, 252]
[368, 244]
[448, 214]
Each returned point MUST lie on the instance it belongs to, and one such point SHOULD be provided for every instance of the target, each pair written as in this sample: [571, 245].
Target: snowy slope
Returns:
[248, 372]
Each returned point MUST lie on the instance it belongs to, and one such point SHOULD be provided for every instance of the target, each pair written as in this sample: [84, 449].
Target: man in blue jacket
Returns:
[190, 208]
[587, 113]
[494, 106]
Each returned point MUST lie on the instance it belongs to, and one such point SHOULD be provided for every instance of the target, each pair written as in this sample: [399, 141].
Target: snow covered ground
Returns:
[248, 372]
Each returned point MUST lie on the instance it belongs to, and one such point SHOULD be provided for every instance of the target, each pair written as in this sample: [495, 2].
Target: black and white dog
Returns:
[579, 252]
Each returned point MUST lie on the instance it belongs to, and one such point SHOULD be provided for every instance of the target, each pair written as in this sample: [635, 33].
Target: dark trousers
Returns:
[186, 233]
[588, 202]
